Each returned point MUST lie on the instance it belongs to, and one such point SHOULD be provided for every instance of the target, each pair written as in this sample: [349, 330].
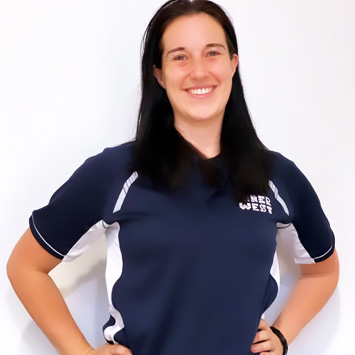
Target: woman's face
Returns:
[197, 70]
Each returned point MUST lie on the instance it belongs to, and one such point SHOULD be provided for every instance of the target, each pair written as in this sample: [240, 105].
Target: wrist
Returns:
[282, 339]
[85, 350]
[76, 348]
[88, 350]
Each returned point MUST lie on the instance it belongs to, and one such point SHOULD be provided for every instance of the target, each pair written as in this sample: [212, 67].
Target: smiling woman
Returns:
[191, 209]
[190, 47]
[197, 72]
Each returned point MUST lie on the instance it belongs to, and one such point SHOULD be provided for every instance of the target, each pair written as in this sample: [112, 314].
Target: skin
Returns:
[195, 56]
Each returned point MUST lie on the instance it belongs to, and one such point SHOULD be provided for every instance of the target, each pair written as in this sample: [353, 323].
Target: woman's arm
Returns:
[28, 269]
[310, 293]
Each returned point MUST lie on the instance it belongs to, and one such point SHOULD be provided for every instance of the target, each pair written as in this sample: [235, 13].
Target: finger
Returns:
[258, 348]
[263, 324]
[271, 352]
[262, 335]
[119, 350]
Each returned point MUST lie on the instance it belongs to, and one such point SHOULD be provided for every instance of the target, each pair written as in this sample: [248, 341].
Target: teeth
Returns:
[200, 91]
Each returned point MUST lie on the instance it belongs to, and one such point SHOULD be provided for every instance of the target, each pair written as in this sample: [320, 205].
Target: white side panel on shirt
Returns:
[114, 264]
[300, 254]
[88, 239]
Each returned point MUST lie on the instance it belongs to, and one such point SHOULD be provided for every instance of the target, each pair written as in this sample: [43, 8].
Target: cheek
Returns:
[223, 73]
[174, 89]
[173, 77]
[227, 75]
[173, 92]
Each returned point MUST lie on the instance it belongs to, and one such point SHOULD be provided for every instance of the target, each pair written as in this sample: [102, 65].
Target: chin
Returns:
[203, 117]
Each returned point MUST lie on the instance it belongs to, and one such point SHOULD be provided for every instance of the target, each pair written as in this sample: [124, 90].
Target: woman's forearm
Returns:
[310, 293]
[44, 303]
[41, 297]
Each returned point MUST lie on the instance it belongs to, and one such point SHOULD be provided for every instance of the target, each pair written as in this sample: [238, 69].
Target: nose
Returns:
[198, 69]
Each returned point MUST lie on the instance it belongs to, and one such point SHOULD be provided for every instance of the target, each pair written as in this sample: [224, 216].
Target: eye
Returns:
[213, 54]
[179, 58]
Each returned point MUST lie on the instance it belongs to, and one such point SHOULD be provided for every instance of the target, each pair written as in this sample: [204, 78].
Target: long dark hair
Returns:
[161, 153]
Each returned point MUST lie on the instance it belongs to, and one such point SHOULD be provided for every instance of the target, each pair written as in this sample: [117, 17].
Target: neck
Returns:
[204, 136]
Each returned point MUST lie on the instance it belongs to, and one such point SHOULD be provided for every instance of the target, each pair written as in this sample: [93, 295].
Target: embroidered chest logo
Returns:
[257, 203]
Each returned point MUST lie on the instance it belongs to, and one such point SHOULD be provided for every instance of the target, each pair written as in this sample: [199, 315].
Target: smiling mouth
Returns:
[201, 91]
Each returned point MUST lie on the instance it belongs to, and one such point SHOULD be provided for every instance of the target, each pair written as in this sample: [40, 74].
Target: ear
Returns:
[235, 61]
[159, 76]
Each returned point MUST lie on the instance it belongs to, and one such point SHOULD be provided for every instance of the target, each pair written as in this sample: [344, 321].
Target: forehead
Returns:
[193, 31]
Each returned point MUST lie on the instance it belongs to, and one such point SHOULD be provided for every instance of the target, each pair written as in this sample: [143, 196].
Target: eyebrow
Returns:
[209, 45]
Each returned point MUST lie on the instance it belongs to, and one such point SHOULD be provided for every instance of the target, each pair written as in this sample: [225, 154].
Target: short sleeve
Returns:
[73, 218]
[309, 231]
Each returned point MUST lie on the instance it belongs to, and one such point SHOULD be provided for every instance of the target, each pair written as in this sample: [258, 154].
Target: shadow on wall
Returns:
[319, 333]
[82, 283]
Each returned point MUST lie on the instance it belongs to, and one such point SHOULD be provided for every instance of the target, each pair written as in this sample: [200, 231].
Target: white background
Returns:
[69, 86]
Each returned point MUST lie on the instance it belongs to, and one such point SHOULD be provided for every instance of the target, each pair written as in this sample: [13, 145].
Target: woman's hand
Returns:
[266, 341]
[108, 349]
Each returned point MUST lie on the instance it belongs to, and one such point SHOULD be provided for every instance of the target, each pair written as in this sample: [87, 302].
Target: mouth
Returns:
[202, 91]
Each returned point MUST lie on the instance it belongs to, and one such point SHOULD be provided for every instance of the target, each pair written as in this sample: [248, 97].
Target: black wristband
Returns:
[282, 339]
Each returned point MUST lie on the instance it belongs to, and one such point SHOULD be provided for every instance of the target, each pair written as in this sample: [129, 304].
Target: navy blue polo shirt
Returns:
[189, 271]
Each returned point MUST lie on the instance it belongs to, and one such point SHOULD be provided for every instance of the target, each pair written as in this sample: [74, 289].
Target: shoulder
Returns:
[101, 171]
[112, 157]
[288, 182]
[286, 172]
[111, 161]
[280, 166]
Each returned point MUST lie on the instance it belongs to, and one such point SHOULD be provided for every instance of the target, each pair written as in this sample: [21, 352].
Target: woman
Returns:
[191, 209]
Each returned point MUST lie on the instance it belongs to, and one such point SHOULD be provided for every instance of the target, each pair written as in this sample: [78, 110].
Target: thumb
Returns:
[263, 325]
[119, 350]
